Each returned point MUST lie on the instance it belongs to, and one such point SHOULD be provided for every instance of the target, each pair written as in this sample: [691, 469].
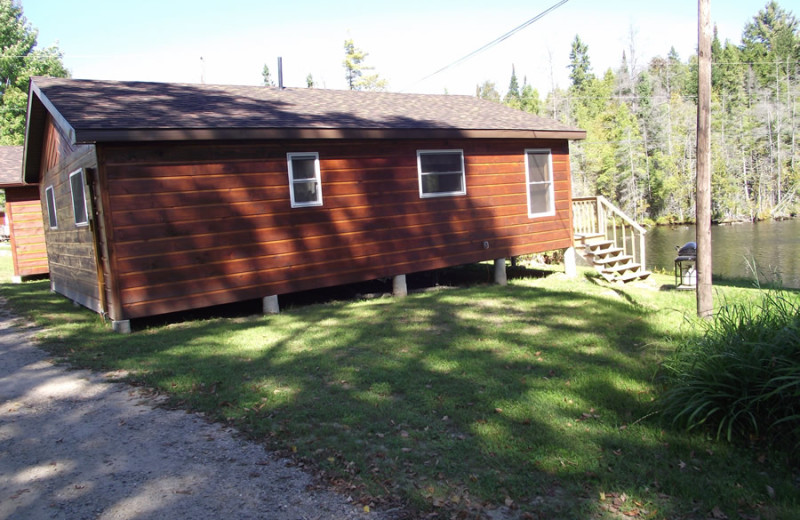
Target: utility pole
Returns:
[705, 304]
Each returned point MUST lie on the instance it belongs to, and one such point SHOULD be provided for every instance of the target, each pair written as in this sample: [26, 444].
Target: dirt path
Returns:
[75, 446]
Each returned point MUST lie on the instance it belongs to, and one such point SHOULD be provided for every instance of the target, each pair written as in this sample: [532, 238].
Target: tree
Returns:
[310, 81]
[487, 90]
[770, 39]
[268, 82]
[529, 99]
[19, 60]
[354, 70]
[513, 97]
[579, 66]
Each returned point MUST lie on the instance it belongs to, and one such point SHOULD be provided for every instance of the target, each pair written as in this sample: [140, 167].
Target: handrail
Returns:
[618, 212]
[592, 215]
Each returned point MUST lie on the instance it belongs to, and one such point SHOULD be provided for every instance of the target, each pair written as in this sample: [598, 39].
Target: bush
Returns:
[741, 379]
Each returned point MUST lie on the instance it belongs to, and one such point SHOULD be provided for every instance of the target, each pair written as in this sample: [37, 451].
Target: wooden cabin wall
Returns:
[195, 225]
[28, 249]
[70, 248]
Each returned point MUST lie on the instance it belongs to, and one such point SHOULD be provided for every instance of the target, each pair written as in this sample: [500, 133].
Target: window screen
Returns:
[78, 198]
[441, 173]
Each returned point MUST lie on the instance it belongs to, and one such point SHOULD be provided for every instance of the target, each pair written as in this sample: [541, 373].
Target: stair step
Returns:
[629, 277]
[605, 245]
[630, 266]
[609, 257]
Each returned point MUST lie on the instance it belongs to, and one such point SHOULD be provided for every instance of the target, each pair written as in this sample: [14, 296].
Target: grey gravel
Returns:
[75, 445]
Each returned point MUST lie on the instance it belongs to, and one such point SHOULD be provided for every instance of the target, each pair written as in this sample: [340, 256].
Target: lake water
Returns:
[774, 246]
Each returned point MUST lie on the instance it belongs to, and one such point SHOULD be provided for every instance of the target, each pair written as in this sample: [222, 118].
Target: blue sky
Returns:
[164, 40]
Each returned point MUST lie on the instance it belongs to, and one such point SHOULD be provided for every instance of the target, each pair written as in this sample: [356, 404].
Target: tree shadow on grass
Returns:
[445, 401]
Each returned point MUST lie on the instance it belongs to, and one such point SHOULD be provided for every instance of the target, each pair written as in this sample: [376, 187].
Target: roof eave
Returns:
[38, 108]
[225, 134]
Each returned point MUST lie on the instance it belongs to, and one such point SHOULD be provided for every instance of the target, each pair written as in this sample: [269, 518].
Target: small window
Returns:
[78, 198]
[305, 185]
[539, 167]
[50, 196]
[441, 173]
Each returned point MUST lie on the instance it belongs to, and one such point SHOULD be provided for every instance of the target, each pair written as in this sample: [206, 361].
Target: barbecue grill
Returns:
[685, 266]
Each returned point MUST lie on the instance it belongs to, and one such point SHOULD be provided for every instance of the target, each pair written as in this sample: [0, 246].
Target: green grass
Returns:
[741, 379]
[539, 395]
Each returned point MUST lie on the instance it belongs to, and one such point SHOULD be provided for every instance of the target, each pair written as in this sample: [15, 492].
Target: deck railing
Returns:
[597, 216]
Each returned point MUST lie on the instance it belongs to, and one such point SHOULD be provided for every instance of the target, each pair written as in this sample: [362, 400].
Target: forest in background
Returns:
[641, 125]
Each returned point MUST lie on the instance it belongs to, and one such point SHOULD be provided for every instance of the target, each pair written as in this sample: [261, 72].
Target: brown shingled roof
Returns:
[10, 166]
[110, 110]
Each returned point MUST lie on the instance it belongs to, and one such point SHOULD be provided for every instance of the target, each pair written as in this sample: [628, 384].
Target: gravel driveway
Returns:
[74, 445]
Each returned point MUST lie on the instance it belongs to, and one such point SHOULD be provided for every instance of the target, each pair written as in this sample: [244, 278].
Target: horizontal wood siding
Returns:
[28, 249]
[197, 225]
[70, 248]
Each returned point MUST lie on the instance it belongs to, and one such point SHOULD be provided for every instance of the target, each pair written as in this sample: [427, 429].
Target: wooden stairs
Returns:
[610, 261]
[609, 240]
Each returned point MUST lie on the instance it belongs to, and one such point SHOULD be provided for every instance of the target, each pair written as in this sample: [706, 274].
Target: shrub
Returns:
[741, 378]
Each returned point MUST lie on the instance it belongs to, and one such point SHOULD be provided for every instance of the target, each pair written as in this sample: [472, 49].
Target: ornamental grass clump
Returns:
[741, 378]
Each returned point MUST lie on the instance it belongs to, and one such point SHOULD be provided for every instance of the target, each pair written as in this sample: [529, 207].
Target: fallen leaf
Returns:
[366, 509]
[509, 502]
[717, 513]
[20, 493]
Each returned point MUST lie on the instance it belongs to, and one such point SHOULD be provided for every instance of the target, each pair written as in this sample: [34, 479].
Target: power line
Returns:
[495, 41]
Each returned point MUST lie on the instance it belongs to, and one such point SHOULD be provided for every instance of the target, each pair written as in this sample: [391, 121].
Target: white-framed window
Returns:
[50, 198]
[76, 184]
[539, 177]
[305, 185]
[441, 173]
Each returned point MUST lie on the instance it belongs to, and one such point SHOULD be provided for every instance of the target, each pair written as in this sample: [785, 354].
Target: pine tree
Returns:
[529, 99]
[513, 97]
[354, 70]
[267, 77]
[769, 40]
[579, 66]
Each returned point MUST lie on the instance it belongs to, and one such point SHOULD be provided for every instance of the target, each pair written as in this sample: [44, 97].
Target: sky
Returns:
[230, 41]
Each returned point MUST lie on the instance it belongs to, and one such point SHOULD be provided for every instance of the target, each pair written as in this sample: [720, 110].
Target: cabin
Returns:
[164, 197]
[22, 224]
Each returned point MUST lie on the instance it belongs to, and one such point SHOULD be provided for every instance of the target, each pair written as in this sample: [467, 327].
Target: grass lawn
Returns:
[535, 398]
